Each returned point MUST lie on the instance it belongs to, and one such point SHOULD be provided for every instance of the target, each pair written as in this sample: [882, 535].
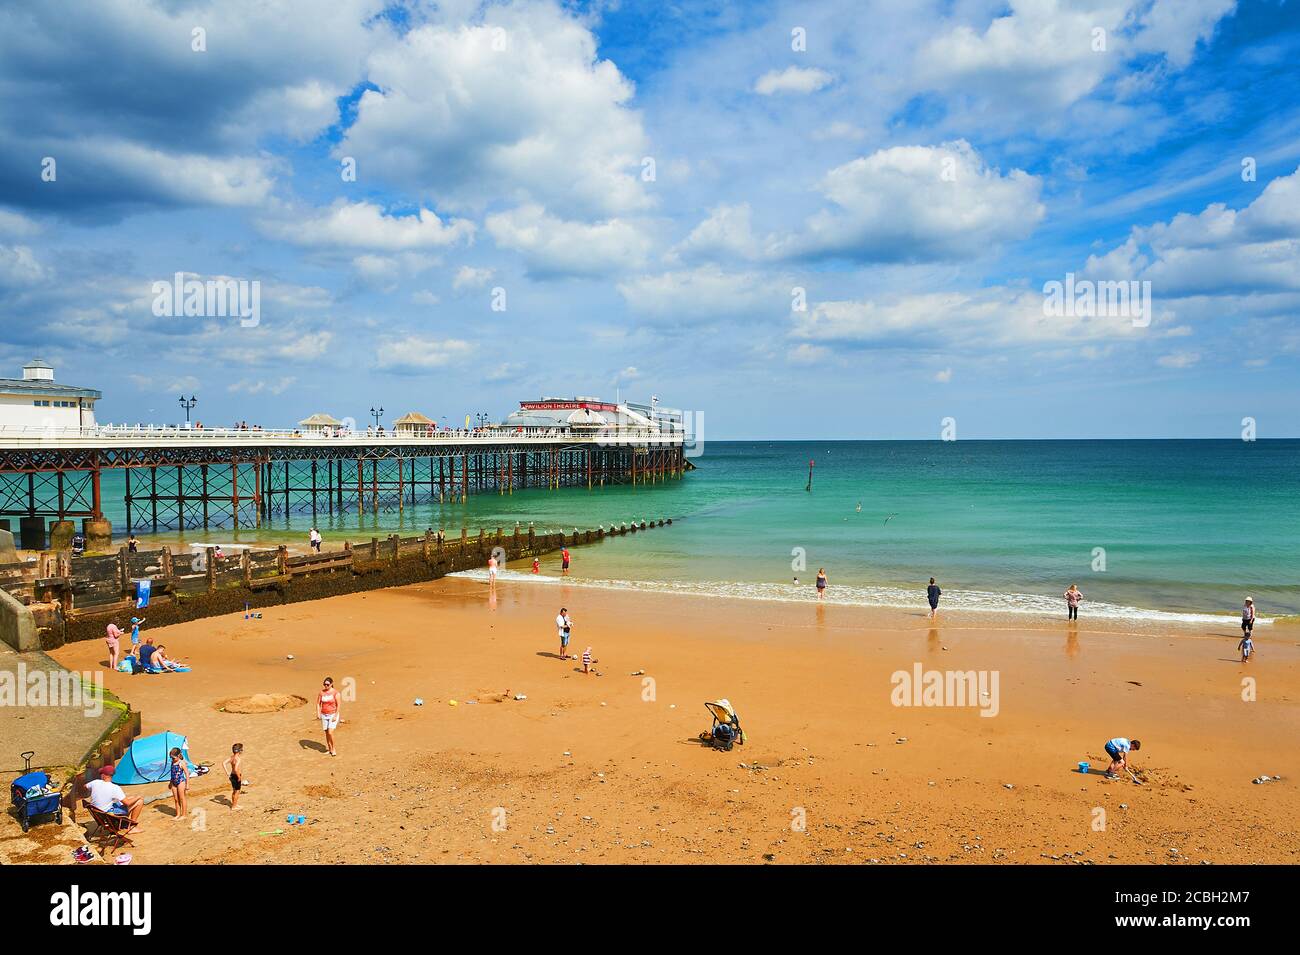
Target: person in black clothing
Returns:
[132, 545]
[932, 594]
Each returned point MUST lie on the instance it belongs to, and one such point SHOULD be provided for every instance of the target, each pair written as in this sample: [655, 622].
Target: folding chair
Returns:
[110, 825]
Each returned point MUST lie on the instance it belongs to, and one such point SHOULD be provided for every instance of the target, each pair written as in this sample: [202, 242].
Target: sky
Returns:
[794, 220]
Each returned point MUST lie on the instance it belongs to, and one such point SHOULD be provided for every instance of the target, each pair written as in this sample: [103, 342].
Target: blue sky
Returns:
[645, 185]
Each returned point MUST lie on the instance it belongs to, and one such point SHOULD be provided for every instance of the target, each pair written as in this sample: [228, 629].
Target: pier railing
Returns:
[21, 436]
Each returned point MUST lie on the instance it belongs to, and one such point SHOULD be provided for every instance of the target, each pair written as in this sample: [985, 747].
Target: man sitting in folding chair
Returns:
[114, 812]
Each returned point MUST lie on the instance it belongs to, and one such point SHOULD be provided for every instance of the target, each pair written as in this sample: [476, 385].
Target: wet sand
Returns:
[607, 769]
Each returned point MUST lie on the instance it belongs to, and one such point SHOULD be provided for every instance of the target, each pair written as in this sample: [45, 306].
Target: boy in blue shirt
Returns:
[1118, 749]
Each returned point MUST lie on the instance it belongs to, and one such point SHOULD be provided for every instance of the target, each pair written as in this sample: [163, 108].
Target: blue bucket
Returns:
[1083, 767]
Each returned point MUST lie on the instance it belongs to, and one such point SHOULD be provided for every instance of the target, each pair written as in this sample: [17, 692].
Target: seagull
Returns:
[890, 518]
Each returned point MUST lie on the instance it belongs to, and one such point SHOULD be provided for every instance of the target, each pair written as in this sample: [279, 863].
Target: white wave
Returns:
[980, 601]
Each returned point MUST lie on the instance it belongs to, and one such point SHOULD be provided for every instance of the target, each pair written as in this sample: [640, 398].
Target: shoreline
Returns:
[1017, 606]
[588, 769]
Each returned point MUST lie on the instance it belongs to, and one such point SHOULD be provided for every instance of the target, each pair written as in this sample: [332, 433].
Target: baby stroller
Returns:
[32, 795]
[725, 732]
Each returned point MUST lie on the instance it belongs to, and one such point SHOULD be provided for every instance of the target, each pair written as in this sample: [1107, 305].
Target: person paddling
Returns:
[1072, 600]
[932, 594]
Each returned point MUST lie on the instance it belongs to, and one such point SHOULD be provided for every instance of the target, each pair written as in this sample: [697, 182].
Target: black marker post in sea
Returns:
[811, 463]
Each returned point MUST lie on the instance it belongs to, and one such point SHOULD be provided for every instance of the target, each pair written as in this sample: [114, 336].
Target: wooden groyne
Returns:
[74, 599]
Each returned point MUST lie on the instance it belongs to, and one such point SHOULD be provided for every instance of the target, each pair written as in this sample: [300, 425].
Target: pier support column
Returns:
[99, 533]
[61, 535]
[31, 532]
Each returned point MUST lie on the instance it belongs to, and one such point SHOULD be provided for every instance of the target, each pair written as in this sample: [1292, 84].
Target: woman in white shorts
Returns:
[327, 708]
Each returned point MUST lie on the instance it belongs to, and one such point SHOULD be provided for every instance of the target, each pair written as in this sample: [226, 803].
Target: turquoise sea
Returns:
[1186, 528]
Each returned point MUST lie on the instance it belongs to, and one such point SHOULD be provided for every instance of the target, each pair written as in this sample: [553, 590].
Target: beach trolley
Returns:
[726, 731]
[32, 795]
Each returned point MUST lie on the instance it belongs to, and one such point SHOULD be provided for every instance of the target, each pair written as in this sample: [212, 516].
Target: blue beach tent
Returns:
[146, 761]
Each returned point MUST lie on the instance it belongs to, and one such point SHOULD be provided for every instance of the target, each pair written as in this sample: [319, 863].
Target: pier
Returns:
[181, 478]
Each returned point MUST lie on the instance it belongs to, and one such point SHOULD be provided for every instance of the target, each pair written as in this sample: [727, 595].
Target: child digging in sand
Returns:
[1118, 749]
[234, 769]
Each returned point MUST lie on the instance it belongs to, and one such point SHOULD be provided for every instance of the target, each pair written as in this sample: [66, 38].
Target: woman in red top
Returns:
[327, 709]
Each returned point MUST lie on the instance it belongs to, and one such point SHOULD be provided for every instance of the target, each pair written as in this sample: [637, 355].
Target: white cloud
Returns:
[1220, 251]
[1182, 359]
[19, 266]
[17, 226]
[944, 376]
[727, 232]
[261, 386]
[706, 292]
[469, 277]
[996, 317]
[793, 79]
[918, 204]
[839, 129]
[555, 247]
[415, 354]
[424, 297]
[542, 119]
[806, 354]
[506, 371]
[364, 225]
[1051, 48]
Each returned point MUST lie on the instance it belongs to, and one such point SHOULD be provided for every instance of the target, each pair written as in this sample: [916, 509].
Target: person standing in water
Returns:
[327, 710]
[1072, 600]
[564, 560]
[932, 594]
[492, 570]
[821, 582]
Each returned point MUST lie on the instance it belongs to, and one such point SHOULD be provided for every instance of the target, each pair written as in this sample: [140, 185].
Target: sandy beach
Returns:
[607, 769]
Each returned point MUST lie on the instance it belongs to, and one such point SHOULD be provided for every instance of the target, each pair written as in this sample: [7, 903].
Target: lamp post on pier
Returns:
[377, 415]
[187, 404]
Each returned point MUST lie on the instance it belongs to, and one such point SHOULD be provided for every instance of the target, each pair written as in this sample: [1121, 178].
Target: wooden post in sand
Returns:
[246, 566]
[282, 560]
[211, 564]
[168, 571]
[123, 573]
